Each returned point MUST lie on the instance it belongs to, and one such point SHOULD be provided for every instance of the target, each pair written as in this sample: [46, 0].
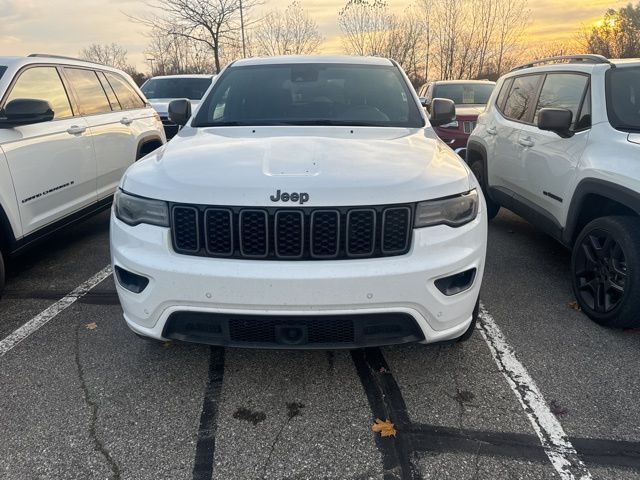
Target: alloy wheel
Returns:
[600, 271]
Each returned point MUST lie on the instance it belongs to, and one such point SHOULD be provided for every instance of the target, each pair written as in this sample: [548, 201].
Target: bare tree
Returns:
[369, 28]
[113, 55]
[289, 32]
[214, 23]
[365, 26]
[512, 21]
[616, 35]
[471, 38]
[175, 54]
[406, 43]
[551, 49]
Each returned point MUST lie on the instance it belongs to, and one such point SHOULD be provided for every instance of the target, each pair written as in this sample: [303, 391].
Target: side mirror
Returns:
[443, 111]
[180, 111]
[426, 103]
[25, 111]
[557, 120]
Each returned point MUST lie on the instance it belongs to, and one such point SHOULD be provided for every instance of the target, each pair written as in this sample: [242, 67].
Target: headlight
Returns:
[135, 210]
[452, 211]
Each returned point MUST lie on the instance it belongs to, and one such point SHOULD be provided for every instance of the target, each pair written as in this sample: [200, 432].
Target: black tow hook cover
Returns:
[292, 334]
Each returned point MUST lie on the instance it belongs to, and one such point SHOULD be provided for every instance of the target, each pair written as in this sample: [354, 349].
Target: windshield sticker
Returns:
[468, 96]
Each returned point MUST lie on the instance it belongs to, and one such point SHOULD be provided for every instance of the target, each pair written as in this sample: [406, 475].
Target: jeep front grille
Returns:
[302, 233]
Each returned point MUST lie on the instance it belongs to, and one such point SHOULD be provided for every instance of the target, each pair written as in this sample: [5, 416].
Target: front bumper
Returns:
[401, 286]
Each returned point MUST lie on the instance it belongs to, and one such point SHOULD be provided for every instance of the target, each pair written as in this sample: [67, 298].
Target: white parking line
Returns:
[49, 313]
[556, 444]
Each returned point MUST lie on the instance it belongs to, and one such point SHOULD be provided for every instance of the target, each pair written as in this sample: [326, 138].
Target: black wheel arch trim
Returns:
[478, 148]
[623, 195]
[146, 140]
[7, 237]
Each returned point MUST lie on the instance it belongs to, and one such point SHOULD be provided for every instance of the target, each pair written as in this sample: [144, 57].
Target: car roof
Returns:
[624, 62]
[455, 82]
[186, 75]
[565, 64]
[19, 62]
[289, 59]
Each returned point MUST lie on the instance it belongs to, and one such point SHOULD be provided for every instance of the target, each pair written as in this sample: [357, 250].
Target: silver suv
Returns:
[559, 144]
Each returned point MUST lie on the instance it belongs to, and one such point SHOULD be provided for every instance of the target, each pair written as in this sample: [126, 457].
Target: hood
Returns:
[161, 105]
[469, 110]
[334, 166]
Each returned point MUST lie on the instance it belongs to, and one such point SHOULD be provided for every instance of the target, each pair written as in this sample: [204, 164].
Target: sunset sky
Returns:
[65, 27]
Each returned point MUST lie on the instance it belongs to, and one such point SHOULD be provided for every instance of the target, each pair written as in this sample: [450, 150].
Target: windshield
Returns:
[465, 93]
[2, 70]
[191, 88]
[623, 98]
[310, 94]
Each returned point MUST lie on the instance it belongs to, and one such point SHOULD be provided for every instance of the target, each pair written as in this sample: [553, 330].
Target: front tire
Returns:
[605, 266]
[472, 326]
[477, 167]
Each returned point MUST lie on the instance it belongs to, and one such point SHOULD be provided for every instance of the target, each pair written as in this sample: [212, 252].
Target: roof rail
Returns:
[48, 55]
[587, 58]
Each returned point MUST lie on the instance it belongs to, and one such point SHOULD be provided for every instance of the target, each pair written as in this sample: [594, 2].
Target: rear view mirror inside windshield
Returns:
[304, 73]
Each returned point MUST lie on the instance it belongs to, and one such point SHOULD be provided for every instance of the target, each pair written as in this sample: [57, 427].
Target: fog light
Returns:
[132, 282]
[456, 283]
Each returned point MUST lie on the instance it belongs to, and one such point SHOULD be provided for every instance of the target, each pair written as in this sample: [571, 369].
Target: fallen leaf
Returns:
[575, 306]
[91, 326]
[385, 428]
[166, 344]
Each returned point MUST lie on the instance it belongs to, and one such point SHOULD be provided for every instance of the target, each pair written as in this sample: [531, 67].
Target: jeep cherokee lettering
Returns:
[375, 235]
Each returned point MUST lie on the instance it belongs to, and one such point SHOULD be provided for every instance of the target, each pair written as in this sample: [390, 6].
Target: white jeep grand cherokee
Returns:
[68, 131]
[307, 203]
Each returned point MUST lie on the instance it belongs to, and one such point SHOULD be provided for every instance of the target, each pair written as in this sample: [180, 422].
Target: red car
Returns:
[470, 97]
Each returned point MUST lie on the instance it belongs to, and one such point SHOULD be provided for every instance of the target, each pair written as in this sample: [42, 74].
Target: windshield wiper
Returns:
[333, 123]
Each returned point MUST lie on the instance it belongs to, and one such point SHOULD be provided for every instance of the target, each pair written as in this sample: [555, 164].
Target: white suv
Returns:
[68, 131]
[559, 144]
[161, 90]
[307, 203]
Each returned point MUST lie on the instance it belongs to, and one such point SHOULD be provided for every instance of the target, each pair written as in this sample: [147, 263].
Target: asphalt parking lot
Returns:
[540, 392]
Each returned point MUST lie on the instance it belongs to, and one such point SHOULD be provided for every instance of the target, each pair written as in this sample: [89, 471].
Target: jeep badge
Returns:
[301, 197]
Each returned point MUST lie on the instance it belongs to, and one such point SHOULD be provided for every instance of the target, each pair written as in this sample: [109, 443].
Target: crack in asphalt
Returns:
[293, 410]
[476, 471]
[273, 446]
[93, 407]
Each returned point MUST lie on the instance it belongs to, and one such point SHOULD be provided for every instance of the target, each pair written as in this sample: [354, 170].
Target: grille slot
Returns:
[468, 126]
[254, 232]
[395, 229]
[302, 233]
[289, 233]
[218, 227]
[361, 230]
[325, 234]
[186, 233]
